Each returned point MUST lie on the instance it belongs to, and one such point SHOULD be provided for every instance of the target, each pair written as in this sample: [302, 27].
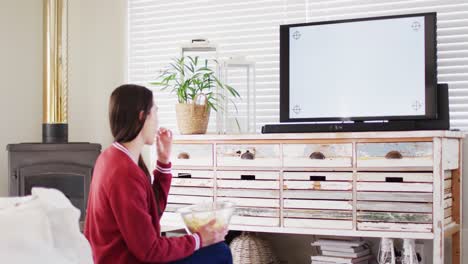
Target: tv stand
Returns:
[366, 184]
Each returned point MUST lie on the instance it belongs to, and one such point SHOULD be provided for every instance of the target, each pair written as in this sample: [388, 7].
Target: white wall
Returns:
[97, 65]
[21, 77]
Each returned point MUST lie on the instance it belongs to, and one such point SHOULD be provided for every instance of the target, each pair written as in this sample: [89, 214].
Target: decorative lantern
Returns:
[239, 115]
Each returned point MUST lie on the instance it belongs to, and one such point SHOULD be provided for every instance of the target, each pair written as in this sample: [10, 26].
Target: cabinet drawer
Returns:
[256, 195]
[192, 182]
[317, 185]
[255, 221]
[188, 199]
[318, 176]
[198, 155]
[395, 177]
[318, 204]
[395, 182]
[388, 155]
[394, 227]
[242, 155]
[393, 209]
[394, 187]
[192, 174]
[317, 198]
[318, 224]
[318, 155]
[255, 215]
[248, 180]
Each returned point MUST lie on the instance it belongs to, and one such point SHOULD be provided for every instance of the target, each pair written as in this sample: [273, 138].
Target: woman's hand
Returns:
[164, 145]
[211, 235]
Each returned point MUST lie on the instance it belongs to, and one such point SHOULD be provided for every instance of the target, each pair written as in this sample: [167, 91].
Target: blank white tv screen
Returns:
[360, 69]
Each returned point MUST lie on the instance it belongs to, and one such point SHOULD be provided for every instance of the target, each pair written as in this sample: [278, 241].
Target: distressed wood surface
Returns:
[394, 187]
[448, 220]
[236, 184]
[457, 212]
[317, 195]
[450, 155]
[237, 175]
[336, 155]
[194, 174]
[415, 154]
[192, 182]
[251, 202]
[448, 194]
[248, 193]
[407, 149]
[329, 176]
[321, 204]
[438, 225]
[395, 207]
[447, 184]
[420, 163]
[316, 223]
[254, 221]
[394, 217]
[170, 207]
[394, 227]
[258, 212]
[457, 196]
[447, 212]
[172, 219]
[448, 203]
[317, 185]
[394, 196]
[320, 138]
[318, 214]
[437, 160]
[447, 174]
[186, 199]
[191, 191]
[383, 176]
[265, 155]
[199, 154]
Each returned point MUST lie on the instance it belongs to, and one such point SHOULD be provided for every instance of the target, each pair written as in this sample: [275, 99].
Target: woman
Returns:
[122, 220]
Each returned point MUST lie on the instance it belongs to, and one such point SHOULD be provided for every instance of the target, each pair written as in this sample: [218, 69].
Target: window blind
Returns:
[250, 28]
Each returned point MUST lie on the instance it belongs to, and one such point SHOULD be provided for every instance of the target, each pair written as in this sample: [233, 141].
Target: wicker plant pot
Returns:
[249, 248]
[193, 118]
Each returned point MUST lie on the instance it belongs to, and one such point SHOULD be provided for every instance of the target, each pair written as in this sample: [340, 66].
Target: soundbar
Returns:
[441, 123]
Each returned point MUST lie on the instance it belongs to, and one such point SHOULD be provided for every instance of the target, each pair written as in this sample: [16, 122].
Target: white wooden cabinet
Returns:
[379, 184]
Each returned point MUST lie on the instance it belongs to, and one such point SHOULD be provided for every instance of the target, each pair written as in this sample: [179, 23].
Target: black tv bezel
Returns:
[430, 20]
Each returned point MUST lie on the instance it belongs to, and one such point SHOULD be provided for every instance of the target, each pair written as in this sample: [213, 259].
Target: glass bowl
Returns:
[198, 215]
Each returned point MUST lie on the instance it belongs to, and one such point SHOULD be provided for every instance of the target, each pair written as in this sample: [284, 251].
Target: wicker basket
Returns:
[251, 249]
[193, 118]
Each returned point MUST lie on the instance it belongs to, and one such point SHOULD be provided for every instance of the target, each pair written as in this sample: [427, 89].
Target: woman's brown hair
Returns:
[126, 103]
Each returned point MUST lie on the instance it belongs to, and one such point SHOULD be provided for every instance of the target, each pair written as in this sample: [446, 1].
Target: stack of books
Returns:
[342, 251]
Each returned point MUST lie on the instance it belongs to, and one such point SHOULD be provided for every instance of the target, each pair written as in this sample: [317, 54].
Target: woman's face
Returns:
[151, 126]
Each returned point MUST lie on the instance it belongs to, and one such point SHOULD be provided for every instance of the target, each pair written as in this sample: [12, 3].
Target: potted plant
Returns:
[193, 81]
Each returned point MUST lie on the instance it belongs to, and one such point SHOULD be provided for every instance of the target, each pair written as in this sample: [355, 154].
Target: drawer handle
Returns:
[318, 178]
[393, 179]
[248, 177]
[248, 155]
[183, 155]
[394, 155]
[184, 175]
[317, 155]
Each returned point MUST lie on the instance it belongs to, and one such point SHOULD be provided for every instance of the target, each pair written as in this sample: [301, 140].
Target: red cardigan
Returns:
[122, 220]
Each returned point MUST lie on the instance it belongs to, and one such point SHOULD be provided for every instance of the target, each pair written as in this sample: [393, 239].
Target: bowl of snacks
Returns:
[198, 215]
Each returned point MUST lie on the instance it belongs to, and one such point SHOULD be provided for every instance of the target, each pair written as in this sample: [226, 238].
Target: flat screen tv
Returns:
[379, 68]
